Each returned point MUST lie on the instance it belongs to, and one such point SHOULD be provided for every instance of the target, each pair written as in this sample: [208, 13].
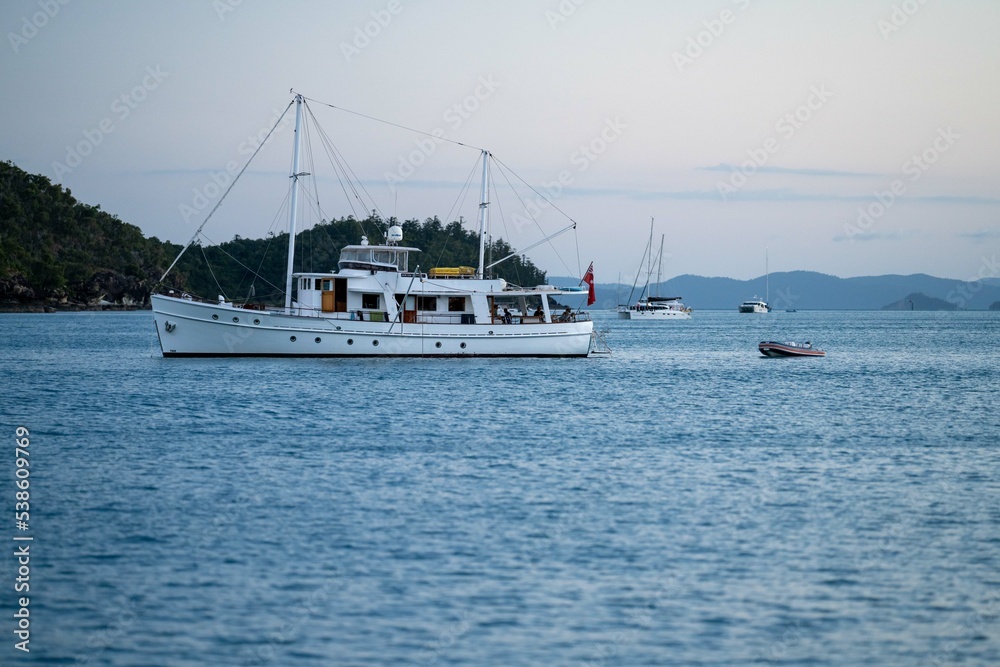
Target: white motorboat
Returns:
[378, 304]
[754, 305]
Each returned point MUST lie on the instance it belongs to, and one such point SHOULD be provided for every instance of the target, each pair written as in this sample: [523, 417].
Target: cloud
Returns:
[981, 235]
[897, 235]
[795, 172]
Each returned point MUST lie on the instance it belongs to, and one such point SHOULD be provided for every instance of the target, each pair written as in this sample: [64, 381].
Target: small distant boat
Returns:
[770, 348]
[754, 305]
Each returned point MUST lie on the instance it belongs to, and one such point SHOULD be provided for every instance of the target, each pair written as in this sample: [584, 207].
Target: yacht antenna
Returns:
[294, 204]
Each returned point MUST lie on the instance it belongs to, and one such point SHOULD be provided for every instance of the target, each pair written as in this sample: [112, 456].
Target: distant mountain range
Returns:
[809, 290]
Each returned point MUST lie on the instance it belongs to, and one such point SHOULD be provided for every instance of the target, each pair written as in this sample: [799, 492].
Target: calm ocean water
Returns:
[684, 501]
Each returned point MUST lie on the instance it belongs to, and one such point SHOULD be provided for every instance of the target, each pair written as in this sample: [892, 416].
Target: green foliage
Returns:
[56, 244]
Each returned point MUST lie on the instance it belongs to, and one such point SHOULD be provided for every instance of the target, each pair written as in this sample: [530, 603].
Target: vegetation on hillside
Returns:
[57, 250]
[54, 247]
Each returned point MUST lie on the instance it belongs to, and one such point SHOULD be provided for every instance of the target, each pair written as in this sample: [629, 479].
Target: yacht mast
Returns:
[484, 212]
[767, 281]
[294, 204]
[649, 270]
[659, 265]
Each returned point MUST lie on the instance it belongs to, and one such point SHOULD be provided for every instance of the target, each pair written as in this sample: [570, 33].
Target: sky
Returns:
[851, 138]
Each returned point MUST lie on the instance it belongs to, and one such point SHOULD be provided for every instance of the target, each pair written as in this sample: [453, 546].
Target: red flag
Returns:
[588, 278]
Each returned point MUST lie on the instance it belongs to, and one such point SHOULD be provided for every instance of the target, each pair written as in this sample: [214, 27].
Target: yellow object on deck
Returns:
[452, 272]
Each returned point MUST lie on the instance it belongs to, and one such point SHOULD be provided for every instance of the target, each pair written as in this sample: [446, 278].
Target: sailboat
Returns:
[654, 307]
[378, 303]
[756, 304]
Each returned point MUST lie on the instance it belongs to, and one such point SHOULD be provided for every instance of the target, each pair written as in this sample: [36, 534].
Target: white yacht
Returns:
[377, 303]
[654, 307]
[754, 305]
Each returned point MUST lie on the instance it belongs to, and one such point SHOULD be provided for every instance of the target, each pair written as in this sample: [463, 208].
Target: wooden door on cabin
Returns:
[340, 295]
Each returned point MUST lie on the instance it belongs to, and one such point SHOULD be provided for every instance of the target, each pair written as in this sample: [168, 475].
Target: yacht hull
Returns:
[653, 315]
[194, 329]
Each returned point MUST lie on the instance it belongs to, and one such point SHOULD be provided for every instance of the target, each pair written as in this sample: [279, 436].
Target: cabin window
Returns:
[369, 301]
[427, 303]
[327, 285]
[456, 304]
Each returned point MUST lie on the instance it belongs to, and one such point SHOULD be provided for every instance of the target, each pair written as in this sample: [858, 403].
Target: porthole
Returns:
[375, 343]
[491, 333]
[462, 346]
[292, 338]
[318, 339]
[437, 344]
[215, 317]
[236, 319]
[256, 321]
[350, 341]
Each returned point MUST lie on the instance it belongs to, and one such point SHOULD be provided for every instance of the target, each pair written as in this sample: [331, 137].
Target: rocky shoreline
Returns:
[104, 290]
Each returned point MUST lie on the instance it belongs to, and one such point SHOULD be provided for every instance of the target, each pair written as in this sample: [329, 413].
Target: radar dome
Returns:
[395, 234]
